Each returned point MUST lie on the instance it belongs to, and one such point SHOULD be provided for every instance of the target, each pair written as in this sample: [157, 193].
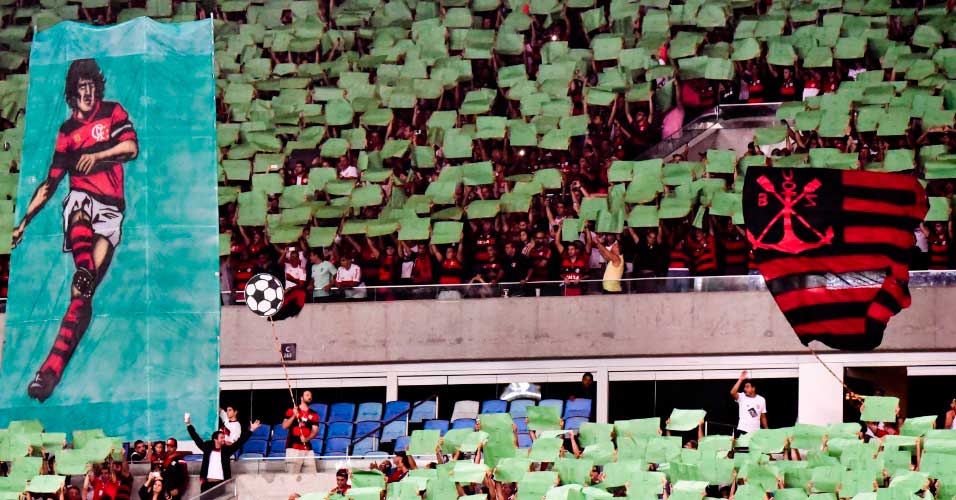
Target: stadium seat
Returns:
[394, 430]
[277, 444]
[323, 429]
[262, 432]
[251, 456]
[279, 432]
[193, 458]
[363, 428]
[401, 444]
[340, 430]
[578, 407]
[574, 423]
[255, 446]
[368, 411]
[364, 447]
[276, 454]
[317, 446]
[521, 424]
[519, 408]
[524, 440]
[465, 409]
[322, 409]
[337, 447]
[557, 403]
[342, 412]
[426, 411]
[464, 423]
[394, 408]
[494, 406]
[437, 425]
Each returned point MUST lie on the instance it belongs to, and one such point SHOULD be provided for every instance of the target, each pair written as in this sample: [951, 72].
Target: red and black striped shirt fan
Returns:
[834, 248]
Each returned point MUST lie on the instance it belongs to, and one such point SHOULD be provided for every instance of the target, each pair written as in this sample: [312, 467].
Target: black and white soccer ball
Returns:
[264, 294]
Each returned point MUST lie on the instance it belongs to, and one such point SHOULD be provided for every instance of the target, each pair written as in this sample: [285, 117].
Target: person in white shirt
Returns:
[752, 409]
[293, 262]
[349, 278]
[230, 424]
[347, 171]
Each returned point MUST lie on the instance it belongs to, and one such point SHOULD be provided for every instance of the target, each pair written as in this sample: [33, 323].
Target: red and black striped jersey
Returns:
[834, 248]
[107, 126]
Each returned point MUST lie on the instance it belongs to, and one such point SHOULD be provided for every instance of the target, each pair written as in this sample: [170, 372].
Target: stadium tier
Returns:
[376, 129]
[358, 149]
[540, 455]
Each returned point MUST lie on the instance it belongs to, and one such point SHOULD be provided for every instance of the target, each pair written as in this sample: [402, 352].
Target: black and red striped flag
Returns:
[834, 248]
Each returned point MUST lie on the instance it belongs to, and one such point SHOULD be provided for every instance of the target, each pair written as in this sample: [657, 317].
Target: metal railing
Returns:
[225, 490]
[687, 284]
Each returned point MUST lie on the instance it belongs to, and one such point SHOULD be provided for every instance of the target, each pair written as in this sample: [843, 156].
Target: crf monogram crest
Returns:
[792, 201]
[98, 132]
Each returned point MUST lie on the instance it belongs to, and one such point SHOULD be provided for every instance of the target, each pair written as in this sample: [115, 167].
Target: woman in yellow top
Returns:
[615, 263]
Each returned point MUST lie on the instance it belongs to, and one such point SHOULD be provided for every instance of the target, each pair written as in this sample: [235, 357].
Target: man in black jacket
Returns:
[216, 454]
[174, 473]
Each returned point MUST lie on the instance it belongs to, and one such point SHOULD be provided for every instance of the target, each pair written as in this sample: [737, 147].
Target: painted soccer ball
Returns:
[264, 294]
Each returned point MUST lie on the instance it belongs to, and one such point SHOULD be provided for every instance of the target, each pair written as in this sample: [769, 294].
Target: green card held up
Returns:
[545, 450]
[424, 442]
[880, 409]
[543, 418]
[468, 472]
[685, 420]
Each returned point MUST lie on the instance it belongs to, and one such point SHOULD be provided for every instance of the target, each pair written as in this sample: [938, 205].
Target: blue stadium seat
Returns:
[394, 430]
[255, 446]
[393, 408]
[578, 407]
[279, 433]
[342, 412]
[363, 428]
[519, 407]
[323, 428]
[322, 409]
[401, 444]
[277, 445]
[252, 456]
[317, 446]
[425, 411]
[276, 454]
[524, 440]
[464, 423]
[193, 458]
[340, 430]
[557, 403]
[364, 447]
[574, 423]
[521, 423]
[262, 432]
[437, 425]
[337, 447]
[494, 406]
[369, 411]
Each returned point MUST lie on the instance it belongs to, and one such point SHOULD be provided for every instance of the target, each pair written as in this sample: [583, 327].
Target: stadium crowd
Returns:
[355, 136]
[648, 458]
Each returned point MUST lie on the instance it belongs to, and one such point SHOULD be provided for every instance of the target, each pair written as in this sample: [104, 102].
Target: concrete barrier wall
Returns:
[556, 327]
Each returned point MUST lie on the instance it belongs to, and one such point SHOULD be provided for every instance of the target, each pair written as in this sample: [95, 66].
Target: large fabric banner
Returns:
[113, 316]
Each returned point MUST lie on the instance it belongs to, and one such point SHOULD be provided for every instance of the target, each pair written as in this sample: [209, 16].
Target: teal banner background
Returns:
[151, 352]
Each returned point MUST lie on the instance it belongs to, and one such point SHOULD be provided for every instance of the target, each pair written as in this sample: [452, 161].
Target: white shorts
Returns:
[107, 220]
